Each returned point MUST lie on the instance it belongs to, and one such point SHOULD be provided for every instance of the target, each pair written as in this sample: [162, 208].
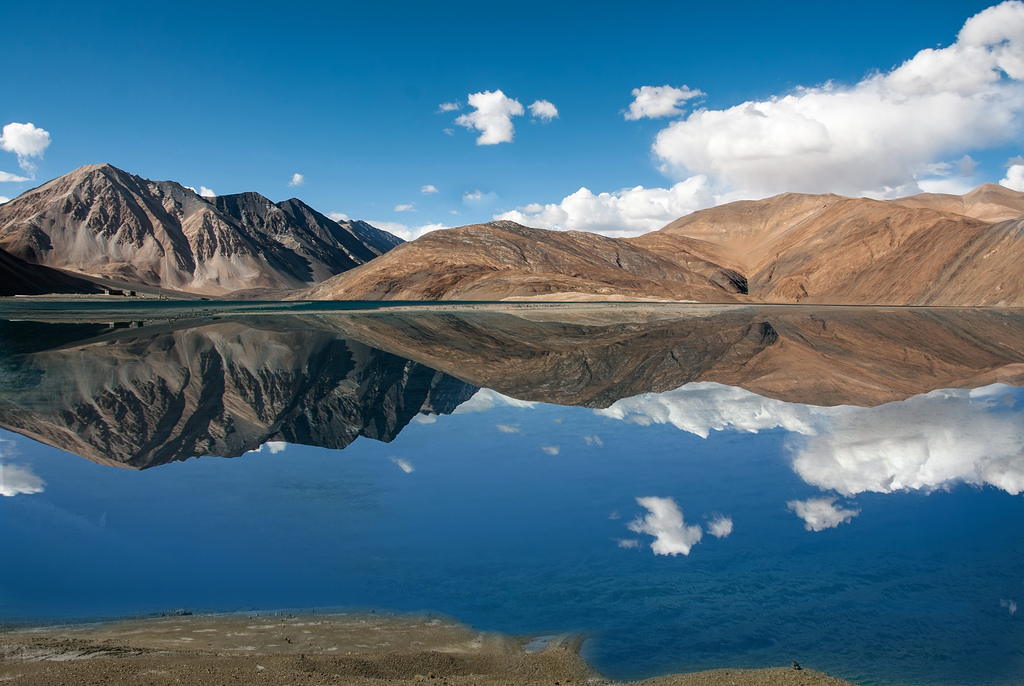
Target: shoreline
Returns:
[328, 648]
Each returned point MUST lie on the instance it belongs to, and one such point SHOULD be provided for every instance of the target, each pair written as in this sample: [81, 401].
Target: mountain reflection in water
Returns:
[738, 486]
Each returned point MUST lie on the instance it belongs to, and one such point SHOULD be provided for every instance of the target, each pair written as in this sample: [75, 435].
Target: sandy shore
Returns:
[318, 649]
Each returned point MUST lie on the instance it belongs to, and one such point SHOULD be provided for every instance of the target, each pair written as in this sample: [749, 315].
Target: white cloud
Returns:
[655, 102]
[478, 199]
[1014, 178]
[411, 207]
[297, 180]
[404, 465]
[665, 522]
[627, 543]
[7, 177]
[456, 212]
[428, 190]
[486, 399]
[3, 199]
[507, 428]
[405, 232]
[273, 447]
[492, 116]
[26, 141]
[699, 408]
[425, 419]
[821, 513]
[628, 212]
[206, 192]
[338, 216]
[928, 442]
[1010, 605]
[448, 132]
[720, 526]
[594, 440]
[543, 110]
[449, 107]
[18, 479]
[877, 136]
[551, 449]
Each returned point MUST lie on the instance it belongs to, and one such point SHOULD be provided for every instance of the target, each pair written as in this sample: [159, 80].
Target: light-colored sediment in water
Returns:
[318, 649]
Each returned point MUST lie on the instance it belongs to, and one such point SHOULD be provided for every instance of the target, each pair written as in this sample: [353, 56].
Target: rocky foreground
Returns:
[313, 650]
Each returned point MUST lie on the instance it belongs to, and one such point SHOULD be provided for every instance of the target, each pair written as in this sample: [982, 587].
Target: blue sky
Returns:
[235, 97]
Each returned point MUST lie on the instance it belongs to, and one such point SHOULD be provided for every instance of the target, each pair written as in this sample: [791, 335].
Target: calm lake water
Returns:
[692, 489]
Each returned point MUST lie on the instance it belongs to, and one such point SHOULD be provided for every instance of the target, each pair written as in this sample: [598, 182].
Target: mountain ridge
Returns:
[101, 221]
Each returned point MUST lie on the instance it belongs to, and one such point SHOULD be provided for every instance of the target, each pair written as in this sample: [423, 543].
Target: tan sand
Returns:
[318, 649]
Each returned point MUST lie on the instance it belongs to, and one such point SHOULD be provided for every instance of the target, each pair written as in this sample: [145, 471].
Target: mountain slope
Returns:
[104, 222]
[502, 259]
[826, 249]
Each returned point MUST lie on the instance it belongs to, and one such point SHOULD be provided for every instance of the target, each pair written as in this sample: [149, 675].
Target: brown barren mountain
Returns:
[501, 260]
[929, 249]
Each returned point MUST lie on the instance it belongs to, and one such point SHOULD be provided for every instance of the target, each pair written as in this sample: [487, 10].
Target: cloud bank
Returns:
[627, 212]
[875, 137]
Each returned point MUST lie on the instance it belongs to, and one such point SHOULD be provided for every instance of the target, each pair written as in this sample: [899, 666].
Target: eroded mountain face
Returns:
[148, 396]
[141, 398]
[792, 248]
[103, 222]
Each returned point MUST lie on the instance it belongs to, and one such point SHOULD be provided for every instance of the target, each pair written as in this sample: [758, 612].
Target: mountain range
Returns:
[99, 222]
[105, 226]
[142, 397]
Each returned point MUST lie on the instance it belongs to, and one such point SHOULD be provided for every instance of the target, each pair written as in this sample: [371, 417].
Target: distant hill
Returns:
[502, 259]
[103, 222]
[18, 277]
[927, 249]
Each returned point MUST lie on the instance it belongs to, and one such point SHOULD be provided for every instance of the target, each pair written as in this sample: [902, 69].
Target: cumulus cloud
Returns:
[404, 465]
[664, 521]
[1014, 178]
[877, 136]
[297, 180]
[18, 479]
[3, 199]
[428, 190]
[338, 216]
[449, 107]
[551, 449]
[628, 212]
[6, 177]
[492, 116]
[928, 442]
[206, 192]
[425, 419]
[272, 447]
[720, 526]
[699, 408]
[411, 207]
[543, 110]
[26, 141]
[477, 199]
[821, 513]
[655, 102]
[486, 399]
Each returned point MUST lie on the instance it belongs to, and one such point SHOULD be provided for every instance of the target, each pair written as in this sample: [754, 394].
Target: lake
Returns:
[692, 487]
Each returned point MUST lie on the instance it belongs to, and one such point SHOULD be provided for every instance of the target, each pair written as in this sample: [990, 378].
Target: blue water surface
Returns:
[524, 518]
